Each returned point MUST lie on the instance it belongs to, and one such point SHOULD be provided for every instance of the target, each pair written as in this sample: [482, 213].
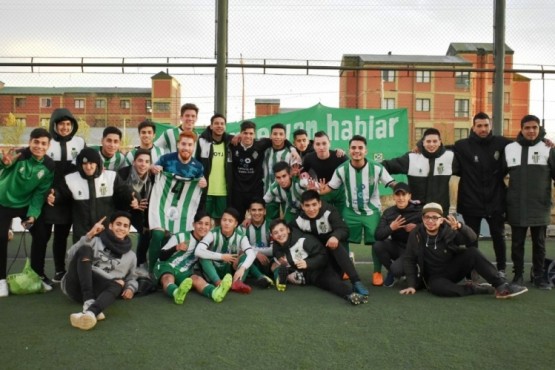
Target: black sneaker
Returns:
[541, 283]
[389, 281]
[480, 289]
[507, 290]
[58, 276]
[518, 280]
[46, 283]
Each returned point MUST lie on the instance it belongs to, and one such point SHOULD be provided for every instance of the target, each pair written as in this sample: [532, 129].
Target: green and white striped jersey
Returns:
[361, 186]
[115, 163]
[291, 196]
[271, 157]
[182, 261]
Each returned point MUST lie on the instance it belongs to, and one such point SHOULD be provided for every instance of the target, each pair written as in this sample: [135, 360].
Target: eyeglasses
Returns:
[431, 218]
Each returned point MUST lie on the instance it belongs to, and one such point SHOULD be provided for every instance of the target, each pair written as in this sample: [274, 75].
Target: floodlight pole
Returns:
[220, 83]
[499, 59]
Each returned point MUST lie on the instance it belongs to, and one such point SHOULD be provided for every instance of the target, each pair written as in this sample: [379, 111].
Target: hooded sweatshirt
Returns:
[63, 150]
[428, 174]
[531, 167]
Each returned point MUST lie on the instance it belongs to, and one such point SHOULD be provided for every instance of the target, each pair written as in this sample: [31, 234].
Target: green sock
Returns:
[170, 289]
[376, 262]
[207, 291]
[210, 270]
[154, 248]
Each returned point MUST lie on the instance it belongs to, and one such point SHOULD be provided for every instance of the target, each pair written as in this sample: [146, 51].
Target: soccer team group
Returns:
[220, 212]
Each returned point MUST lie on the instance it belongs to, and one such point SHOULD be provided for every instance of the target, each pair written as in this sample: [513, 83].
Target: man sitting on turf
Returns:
[219, 253]
[301, 259]
[101, 268]
[175, 268]
[324, 222]
[436, 257]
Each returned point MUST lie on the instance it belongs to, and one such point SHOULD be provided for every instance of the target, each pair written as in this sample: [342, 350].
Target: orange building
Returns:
[98, 106]
[446, 99]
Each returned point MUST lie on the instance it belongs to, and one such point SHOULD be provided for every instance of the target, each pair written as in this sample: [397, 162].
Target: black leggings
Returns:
[41, 232]
[6, 216]
[331, 281]
[82, 283]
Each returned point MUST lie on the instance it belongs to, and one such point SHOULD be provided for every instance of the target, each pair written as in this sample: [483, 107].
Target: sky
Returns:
[280, 31]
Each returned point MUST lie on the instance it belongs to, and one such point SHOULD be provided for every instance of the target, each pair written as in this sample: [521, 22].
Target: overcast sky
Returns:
[280, 29]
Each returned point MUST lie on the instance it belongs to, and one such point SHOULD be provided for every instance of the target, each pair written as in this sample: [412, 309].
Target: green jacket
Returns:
[26, 182]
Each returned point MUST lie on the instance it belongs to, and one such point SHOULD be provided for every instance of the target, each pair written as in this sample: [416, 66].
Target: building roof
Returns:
[266, 101]
[74, 90]
[161, 76]
[364, 59]
[474, 48]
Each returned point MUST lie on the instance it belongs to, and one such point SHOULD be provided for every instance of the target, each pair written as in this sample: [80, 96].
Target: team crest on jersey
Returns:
[322, 227]
[73, 153]
[21, 169]
[103, 189]
[254, 155]
[172, 213]
[496, 155]
[440, 168]
[297, 251]
[536, 157]
[40, 174]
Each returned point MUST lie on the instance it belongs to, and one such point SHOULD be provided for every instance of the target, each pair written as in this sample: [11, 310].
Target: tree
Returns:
[84, 129]
[13, 131]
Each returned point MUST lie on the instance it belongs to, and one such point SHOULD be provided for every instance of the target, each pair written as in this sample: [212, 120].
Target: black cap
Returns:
[401, 186]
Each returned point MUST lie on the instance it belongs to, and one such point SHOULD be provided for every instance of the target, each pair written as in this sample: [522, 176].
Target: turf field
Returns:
[302, 328]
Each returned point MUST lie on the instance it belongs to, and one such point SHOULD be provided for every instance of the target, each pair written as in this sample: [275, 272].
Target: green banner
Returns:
[386, 130]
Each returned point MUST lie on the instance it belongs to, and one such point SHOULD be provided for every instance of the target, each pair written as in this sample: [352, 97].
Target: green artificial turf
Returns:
[302, 328]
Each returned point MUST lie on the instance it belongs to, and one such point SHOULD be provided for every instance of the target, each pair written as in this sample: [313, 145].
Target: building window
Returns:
[388, 76]
[99, 122]
[161, 107]
[20, 102]
[461, 133]
[422, 105]
[124, 104]
[45, 102]
[490, 98]
[21, 121]
[388, 103]
[506, 125]
[461, 107]
[148, 105]
[100, 103]
[506, 98]
[80, 103]
[462, 79]
[423, 76]
[419, 132]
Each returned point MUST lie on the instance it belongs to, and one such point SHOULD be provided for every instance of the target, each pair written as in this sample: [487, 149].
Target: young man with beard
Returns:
[360, 179]
[147, 132]
[226, 250]
[139, 179]
[25, 179]
[175, 270]
[213, 152]
[531, 167]
[101, 268]
[437, 259]
[168, 141]
[112, 158]
[325, 223]
[428, 171]
[302, 259]
[175, 196]
[393, 231]
[64, 148]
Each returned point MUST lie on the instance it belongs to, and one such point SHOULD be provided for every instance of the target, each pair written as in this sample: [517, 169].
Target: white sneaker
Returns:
[46, 287]
[86, 306]
[83, 320]
[4, 292]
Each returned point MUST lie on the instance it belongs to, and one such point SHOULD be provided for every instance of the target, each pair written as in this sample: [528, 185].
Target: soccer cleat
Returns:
[4, 292]
[83, 320]
[389, 281]
[359, 288]
[377, 279]
[239, 287]
[281, 281]
[221, 290]
[507, 290]
[264, 282]
[356, 299]
[58, 276]
[180, 293]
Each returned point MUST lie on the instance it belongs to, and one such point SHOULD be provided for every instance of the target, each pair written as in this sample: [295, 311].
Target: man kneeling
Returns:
[101, 268]
[437, 257]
